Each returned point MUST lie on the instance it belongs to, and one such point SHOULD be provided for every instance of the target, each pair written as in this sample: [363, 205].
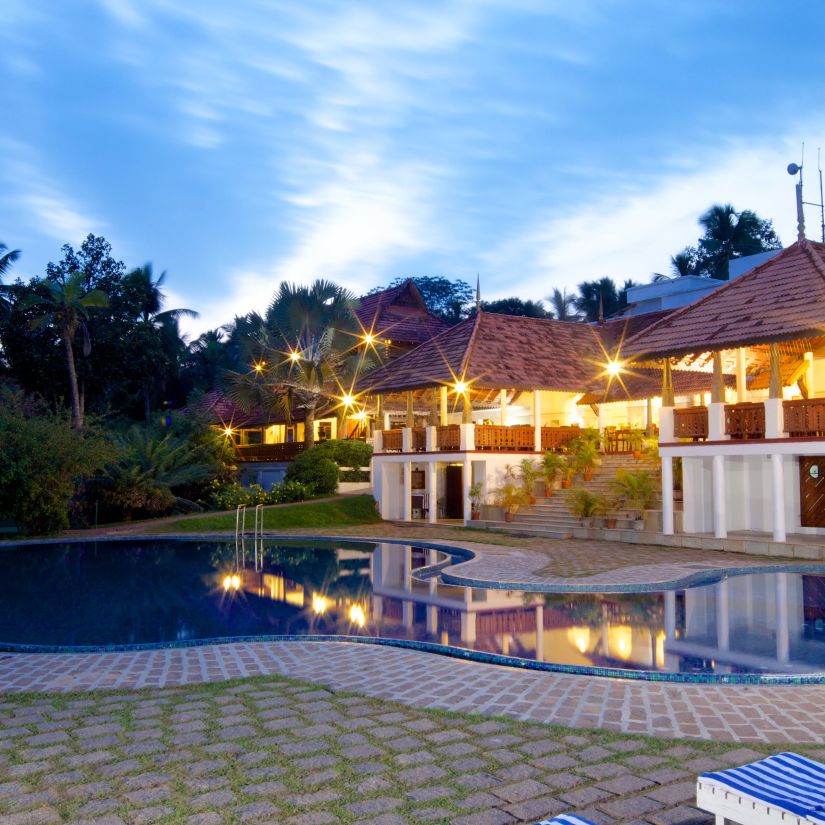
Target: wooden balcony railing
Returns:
[419, 439]
[557, 438]
[269, 452]
[690, 422]
[448, 438]
[805, 417]
[745, 420]
[621, 440]
[518, 438]
[391, 441]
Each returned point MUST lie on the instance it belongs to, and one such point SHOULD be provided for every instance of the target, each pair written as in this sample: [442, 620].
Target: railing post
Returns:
[377, 441]
[667, 495]
[665, 425]
[778, 497]
[467, 437]
[774, 418]
[406, 440]
[430, 439]
[537, 421]
[716, 422]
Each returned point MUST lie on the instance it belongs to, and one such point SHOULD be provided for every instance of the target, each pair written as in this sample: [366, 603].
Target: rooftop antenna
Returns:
[794, 169]
[478, 292]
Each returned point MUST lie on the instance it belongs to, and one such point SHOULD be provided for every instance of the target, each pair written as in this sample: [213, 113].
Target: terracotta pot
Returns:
[532, 499]
[566, 483]
[637, 454]
[610, 523]
[475, 515]
[588, 474]
[509, 516]
[548, 492]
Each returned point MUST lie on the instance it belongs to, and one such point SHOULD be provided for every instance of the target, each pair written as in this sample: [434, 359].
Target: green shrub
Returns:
[345, 452]
[583, 504]
[230, 496]
[314, 470]
[43, 463]
[353, 475]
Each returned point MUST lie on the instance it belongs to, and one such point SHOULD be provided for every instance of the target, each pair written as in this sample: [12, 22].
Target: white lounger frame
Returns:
[730, 805]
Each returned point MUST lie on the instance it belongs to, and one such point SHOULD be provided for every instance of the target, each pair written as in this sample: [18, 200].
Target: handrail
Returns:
[240, 529]
[745, 419]
[259, 537]
[690, 422]
[391, 441]
[804, 417]
[448, 437]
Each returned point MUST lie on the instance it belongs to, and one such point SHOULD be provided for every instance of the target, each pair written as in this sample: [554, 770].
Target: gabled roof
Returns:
[639, 384]
[400, 315]
[499, 351]
[779, 300]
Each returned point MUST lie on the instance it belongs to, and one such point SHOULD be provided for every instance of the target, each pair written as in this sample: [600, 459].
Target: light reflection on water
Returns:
[147, 592]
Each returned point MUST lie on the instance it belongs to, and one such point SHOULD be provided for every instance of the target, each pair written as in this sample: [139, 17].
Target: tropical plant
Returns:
[529, 473]
[318, 472]
[584, 504]
[67, 307]
[601, 299]
[552, 466]
[563, 305]
[7, 258]
[516, 306]
[585, 456]
[475, 496]
[636, 490]
[510, 496]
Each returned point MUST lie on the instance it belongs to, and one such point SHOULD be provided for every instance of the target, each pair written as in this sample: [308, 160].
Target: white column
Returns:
[539, 632]
[430, 439]
[432, 513]
[467, 437]
[502, 401]
[537, 420]
[720, 521]
[466, 478]
[716, 421]
[468, 627]
[386, 420]
[406, 440]
[602, 417]
[810, 381]
[774, 418]
[741, 374]
[442, 406]
[778, 497]
[783, 619]
[406, 505]
[667, 495]
[665, 424]
[378, 441]
[723, 615]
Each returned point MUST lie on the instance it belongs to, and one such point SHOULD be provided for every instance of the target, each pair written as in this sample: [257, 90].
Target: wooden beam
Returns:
[667, 384]
[717, 386]
[775, 387]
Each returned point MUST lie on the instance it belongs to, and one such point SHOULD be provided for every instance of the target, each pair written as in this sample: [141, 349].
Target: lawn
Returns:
[338, 512]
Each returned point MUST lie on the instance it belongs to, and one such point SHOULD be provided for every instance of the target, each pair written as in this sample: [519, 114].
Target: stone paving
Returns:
[787, 714]
[273, 751]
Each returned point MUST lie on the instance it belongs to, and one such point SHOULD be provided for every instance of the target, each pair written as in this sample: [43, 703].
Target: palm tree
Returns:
[156, 328]
[67, 308]
[563, 305]
[730, 234]
[308, 352]
[7, 258]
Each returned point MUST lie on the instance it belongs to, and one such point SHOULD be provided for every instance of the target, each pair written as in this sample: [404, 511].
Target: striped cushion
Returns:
[566, 819]
[785, 780]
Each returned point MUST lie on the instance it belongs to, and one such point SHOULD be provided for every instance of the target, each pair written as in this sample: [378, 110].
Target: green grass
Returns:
[338, 512]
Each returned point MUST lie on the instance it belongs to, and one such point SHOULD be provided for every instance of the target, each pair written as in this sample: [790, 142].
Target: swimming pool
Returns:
[172, 591]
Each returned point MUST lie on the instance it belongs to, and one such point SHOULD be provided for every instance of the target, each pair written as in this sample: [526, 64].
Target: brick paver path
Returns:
[271, 751]
[733, 713]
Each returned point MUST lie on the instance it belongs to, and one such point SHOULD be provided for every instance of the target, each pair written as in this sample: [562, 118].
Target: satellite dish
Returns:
[793, 169]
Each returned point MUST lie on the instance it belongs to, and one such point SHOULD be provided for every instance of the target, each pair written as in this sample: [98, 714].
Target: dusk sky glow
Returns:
[535, 143]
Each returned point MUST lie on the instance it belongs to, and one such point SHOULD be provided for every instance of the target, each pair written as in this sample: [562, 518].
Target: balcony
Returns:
[691, 422]
[745, 420]
[391, 441]
[448, 438]
[519, 438]
[269, 452]
[805, 418]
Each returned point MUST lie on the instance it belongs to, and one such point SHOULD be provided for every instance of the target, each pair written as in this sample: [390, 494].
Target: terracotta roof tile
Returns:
[782, 299]
[399, 314]
[639, 384]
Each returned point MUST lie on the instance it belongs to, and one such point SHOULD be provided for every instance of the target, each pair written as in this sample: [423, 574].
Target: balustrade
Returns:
[269, 452]
[805, 417]
[419, 439]
[448, 438]
[690, 422]
[745, 420]
[391, 441]
[557, 438]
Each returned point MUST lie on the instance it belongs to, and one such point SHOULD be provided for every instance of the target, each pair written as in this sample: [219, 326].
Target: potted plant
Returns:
[510, 496]
[529, 475]
[637, 438]
[611, 507]
[585, 458]
[552, 466]
[636, 491]
[568, 472]
[584, 505]
[475, 501]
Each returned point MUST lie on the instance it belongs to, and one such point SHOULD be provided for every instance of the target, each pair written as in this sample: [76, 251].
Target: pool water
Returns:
[173, 591]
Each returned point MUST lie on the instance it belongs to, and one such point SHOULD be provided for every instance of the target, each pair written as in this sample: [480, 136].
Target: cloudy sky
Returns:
[536, 142]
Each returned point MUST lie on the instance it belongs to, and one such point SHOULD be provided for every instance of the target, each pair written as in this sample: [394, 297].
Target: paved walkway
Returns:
[731, 713]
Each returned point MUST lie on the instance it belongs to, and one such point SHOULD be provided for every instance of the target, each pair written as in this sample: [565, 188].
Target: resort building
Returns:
[752, 459]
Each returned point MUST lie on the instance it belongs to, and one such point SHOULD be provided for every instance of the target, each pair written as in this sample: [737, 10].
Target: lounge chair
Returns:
[784, 789]
[566, 819]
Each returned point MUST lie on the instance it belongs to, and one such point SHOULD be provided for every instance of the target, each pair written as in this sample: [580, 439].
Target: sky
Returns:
[530, 143]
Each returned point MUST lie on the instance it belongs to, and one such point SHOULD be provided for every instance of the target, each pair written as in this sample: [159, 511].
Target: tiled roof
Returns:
[782, 299]
[614, 331]
[499, 351]
[218, 408]
[399, 314]
[638, 384]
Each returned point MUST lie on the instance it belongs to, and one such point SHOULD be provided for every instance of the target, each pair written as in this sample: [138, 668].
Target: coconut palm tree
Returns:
[7, 258]
[67, 308]
[563, 305]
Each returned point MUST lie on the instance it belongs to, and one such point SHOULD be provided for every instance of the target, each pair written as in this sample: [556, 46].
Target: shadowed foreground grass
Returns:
[335, 513]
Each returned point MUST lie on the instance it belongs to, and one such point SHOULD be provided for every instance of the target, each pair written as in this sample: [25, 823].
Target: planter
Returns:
[532, 499]
[475, 515]
[587, 522]
[610, 522]
[566, 483]
[638, 524]
[509, 516]
[637, 454]
[588, 474]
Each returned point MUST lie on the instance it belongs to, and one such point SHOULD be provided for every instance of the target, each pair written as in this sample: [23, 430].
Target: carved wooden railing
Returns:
[745, 420]
[518, 438]
[805, 417]
[557, 438]
[690, 422]
[448, 437]
[618, 441]
[391, 441]
[269, 452]
[419, 439]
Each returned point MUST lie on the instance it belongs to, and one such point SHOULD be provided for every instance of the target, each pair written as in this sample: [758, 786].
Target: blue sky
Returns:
[537, 143]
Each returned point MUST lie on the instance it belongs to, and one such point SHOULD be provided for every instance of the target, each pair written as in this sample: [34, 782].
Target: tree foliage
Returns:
[517, 306]
[450, 300]
[600, 299]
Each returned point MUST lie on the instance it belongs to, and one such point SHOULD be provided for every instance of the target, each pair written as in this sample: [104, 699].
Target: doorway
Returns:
[812, 491]
[454, 491]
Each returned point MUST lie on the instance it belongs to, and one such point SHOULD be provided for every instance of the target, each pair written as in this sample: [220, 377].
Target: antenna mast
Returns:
[794, 169]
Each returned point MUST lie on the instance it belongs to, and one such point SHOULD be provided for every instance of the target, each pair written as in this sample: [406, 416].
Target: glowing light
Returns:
[294, 357]
[460, 387]
[227, 431]
[369, 338]
[357, 615]
[360, 416]
[236, 581]
[348, 400]
[614, 367]
[320, 604]
[259, 366]
[579, 637]
[232, 582]
[227, 582]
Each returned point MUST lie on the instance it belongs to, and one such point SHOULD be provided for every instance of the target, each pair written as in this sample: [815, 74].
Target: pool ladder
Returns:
[257, 537]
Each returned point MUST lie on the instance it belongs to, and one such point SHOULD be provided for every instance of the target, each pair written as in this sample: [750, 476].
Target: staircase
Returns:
[550, 517]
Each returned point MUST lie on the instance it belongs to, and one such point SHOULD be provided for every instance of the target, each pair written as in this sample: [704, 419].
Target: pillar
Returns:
[649, 417]
[410, 410]
[720, 520]
[466, 478]
[723, 615]
[466, 409]
[666, 413]
[386, 420]
[406, 504]
[442, 406]
[783, 623]
[537, 420]
[716, 408]
[778, 497]
[667, 384]
[741, 374]
[434, 410]
[667, 495]
[502, 401]
[774, 411]
[432, 482]
[810, 381]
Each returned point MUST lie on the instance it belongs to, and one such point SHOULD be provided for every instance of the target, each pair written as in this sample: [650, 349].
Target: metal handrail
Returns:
[258, 538]
[240, 529]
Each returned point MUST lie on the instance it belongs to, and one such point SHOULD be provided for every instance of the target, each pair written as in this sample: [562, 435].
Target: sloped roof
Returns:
[499, 351]
[782, 299]
[639, 384]
[400, 315]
